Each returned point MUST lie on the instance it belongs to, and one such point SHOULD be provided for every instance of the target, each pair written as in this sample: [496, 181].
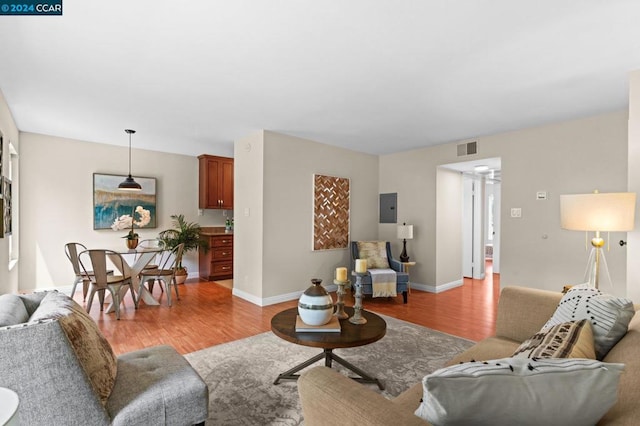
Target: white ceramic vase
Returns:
[315, 306]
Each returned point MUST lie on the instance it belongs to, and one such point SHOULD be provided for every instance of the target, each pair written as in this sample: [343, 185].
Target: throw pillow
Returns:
[572, 339]
[32, 300]
[92, 349]
[12, 310]
[609, 315]
[375, 252]
[518, 391]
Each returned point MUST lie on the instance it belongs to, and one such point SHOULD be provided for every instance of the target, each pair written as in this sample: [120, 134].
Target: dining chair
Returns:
[152, 243]
[96, 260]
[72, 250]
[165, 272]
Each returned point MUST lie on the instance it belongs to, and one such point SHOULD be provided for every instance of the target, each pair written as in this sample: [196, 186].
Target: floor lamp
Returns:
[596, 212]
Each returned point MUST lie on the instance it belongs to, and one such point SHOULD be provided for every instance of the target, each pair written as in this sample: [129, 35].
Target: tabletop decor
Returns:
[315, 306]
[361, 271]
[341, 280]
[128, 221]
[405, 232]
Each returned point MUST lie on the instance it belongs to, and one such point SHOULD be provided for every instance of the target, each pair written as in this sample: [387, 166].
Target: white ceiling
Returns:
[375, 76]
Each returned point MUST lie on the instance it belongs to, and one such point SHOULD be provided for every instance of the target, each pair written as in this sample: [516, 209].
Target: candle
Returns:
[361, 266]
[341, 274]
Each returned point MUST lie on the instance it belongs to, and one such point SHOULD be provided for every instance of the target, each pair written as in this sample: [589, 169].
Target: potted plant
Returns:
[187, 233]
[128, 222]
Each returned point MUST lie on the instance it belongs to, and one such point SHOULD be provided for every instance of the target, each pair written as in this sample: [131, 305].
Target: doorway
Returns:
[480, 212]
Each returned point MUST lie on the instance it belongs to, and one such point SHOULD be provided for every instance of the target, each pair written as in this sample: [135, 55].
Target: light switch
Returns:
[516, 212]
[246, 212]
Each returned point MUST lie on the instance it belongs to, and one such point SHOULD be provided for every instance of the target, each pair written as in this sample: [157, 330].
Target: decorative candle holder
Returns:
[357, 317]
[340, 313]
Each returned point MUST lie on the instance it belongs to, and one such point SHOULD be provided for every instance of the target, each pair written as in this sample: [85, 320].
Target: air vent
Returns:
[467, 148]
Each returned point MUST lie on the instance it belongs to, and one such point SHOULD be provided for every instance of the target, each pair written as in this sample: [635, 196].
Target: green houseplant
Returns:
[187, 233]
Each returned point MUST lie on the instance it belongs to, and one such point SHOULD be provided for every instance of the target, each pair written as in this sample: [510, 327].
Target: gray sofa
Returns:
[65, 373]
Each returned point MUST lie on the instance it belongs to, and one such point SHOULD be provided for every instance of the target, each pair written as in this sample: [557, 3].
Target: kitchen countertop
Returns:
[211, 231]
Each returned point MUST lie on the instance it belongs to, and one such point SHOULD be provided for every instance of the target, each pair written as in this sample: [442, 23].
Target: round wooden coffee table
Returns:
[283, 325]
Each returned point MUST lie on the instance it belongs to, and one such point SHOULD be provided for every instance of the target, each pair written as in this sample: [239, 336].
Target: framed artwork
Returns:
[6, 207]
[110, 203]
[330, 212]
[1, 165]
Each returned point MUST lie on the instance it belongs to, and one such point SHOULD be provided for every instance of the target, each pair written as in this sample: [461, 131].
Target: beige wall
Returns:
[248, 225]
[288, 263]
[570, 157]
[449, 204]
[9, 267]
[633, 246]
[57, 200]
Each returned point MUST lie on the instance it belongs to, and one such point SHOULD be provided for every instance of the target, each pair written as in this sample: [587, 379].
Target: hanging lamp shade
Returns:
[129, 184]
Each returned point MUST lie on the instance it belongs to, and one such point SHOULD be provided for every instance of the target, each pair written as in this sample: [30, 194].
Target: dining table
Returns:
[135, 260]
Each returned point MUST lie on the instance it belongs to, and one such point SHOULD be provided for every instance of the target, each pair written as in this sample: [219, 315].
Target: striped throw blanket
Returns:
[383, 282]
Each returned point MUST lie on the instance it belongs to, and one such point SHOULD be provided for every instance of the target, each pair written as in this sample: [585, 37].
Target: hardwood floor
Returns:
[207, 314]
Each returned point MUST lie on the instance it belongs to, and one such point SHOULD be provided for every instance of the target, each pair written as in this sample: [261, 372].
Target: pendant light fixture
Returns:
[129, 184]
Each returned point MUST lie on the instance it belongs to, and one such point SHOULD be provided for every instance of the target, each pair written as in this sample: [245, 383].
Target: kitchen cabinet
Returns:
[215, 182]
[217, 263]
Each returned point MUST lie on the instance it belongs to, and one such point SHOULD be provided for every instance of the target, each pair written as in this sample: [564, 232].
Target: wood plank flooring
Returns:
[207, 314]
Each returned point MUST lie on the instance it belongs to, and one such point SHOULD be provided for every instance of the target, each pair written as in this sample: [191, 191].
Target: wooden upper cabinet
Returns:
[215, 182]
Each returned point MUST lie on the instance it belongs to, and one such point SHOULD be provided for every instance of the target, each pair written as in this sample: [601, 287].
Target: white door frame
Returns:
[473, 227]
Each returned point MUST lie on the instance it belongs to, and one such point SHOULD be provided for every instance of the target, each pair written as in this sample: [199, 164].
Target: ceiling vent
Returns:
[467, 148]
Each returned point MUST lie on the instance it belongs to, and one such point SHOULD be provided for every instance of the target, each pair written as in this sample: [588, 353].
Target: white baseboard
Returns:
[274, 299]
[436, 289]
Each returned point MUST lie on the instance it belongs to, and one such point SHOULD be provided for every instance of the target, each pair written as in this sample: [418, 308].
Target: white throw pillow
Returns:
[609, 315]
[518, 391]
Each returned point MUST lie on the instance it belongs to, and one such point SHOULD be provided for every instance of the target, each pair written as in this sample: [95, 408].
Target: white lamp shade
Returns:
[405, 232]
[614, 212]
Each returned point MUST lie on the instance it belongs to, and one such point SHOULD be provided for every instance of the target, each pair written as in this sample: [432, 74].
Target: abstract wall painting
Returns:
[330, 212]
[110, 203]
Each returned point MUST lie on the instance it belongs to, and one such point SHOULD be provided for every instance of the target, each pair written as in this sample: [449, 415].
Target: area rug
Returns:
[240, 374]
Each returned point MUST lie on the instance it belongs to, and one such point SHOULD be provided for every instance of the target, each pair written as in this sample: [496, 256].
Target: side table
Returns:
[9, 402]
[405, 268]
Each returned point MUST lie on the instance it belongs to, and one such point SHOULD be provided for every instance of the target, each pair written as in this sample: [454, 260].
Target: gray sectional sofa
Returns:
[54, 357]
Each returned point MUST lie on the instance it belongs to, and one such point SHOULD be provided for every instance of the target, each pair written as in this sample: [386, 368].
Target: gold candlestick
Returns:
[340, 313]
[357, 317]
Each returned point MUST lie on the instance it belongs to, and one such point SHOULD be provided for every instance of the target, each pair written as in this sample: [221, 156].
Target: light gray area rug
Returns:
[240, 374]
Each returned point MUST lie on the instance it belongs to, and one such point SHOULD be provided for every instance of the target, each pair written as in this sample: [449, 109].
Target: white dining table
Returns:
[135, 261]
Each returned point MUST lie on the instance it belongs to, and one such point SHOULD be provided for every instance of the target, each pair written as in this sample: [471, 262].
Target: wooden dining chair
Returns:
[72, 250]
[165, 272]
[96, 261]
